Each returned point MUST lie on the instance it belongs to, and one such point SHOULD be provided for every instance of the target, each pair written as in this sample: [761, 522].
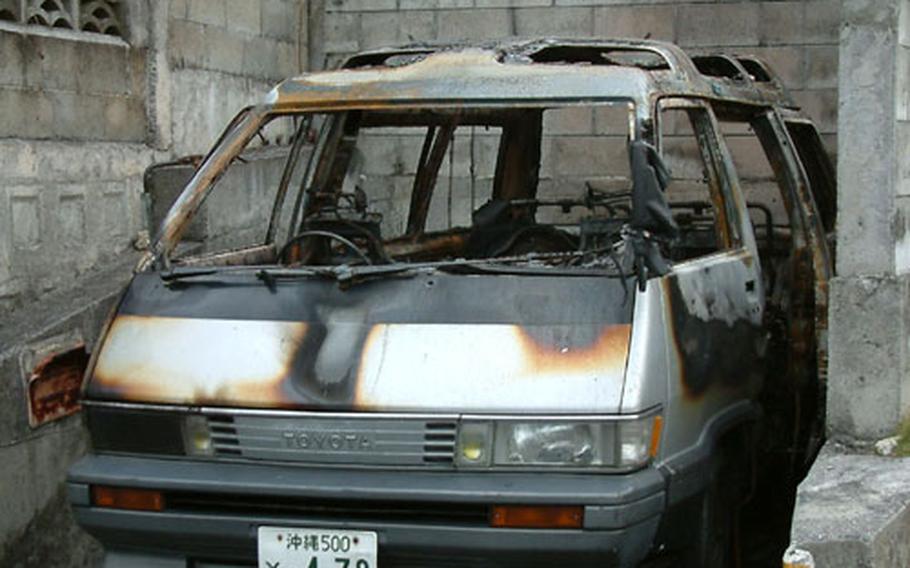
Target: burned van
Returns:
[524, 304]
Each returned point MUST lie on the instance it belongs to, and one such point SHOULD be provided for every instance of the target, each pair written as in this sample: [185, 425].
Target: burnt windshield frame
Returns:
[236, 137]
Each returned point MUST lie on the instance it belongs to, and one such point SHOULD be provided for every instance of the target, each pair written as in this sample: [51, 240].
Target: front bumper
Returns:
[622, 512]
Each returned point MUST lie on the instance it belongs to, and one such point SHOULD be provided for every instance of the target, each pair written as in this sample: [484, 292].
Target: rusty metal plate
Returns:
[54, 385]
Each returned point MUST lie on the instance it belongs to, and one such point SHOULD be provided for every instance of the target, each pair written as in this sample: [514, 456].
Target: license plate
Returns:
[281, 547]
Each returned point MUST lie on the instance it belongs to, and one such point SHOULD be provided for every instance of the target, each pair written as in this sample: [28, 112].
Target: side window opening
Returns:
[765, 197]
[820, 171]
[693, 191]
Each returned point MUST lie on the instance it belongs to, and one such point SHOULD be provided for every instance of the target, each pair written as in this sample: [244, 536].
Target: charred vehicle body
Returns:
[495, 305]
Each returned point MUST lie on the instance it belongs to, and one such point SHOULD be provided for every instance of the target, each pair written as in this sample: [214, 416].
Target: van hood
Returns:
[422, 343]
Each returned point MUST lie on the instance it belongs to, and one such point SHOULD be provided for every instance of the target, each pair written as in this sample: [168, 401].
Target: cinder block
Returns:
[67, 113]
[12, 66]
[280, 19]
[564, 22]
[569, 120]
[781, 23]
[416, 26]
[70, 214]
[177, 9]
[224, 50]
[26, 222]
[286, 62]
[105, 69]
[434, 4]
[822, 23]
[360, 5]
[592, 2]
[749, 158]
[124, 119]
[788, 62]
[377, 29]
[864, 343]
[651, 22]
[77, 116]
[586, 156]
[244, 16]
[186, 45]
[343, 31]
[209, 12]
[26, 113]
[383, 29]
[474, 24]
[718, 24]
[821, 105]
[18, 159]
[49, 62]
[612, 120]
[114, 219]
[259, 57]
[511, 3]
[821, 67]
[380, 155]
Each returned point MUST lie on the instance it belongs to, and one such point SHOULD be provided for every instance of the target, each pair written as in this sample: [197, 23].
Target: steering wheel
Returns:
[282, 254]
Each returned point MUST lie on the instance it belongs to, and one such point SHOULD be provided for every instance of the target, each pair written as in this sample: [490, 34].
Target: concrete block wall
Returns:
[72, 132]
[869, 390]
[81, 117]
[798, 38]
[72, 88]
[223, 56]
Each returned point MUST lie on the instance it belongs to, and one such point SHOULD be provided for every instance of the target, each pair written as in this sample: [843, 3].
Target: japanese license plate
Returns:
[281, 547]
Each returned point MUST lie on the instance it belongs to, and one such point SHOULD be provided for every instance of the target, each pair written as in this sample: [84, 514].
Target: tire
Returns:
[713, 542]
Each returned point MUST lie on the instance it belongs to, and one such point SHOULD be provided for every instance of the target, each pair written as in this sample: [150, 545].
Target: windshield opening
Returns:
[545, 186]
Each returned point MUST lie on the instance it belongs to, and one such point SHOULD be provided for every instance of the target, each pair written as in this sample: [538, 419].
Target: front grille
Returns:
[464, 514]
[344, 440]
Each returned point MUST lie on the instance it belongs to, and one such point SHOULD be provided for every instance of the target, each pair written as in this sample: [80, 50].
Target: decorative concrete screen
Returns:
[96, 16]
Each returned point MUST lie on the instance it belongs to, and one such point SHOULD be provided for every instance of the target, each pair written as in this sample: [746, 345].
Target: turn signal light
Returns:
[537, 517]
[125, 498]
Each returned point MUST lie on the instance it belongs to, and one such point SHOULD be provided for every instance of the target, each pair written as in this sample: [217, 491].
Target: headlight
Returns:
[570, 443]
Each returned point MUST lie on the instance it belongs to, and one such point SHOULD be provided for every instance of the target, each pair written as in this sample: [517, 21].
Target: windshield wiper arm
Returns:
[180, 273]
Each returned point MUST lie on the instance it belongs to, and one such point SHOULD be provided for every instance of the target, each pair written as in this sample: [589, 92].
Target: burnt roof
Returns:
[517, 71]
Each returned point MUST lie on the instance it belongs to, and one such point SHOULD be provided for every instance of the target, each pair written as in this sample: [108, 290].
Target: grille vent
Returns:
[224, 436]
[439, 443]
[323, 440]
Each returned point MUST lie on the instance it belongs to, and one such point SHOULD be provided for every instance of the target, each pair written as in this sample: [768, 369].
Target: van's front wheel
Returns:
[713, 545]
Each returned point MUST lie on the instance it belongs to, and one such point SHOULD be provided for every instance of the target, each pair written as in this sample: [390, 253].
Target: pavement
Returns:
[852, 511]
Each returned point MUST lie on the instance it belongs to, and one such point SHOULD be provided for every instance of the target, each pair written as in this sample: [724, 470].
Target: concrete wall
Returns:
[81, 117]
[224, 55]
[869, 389]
